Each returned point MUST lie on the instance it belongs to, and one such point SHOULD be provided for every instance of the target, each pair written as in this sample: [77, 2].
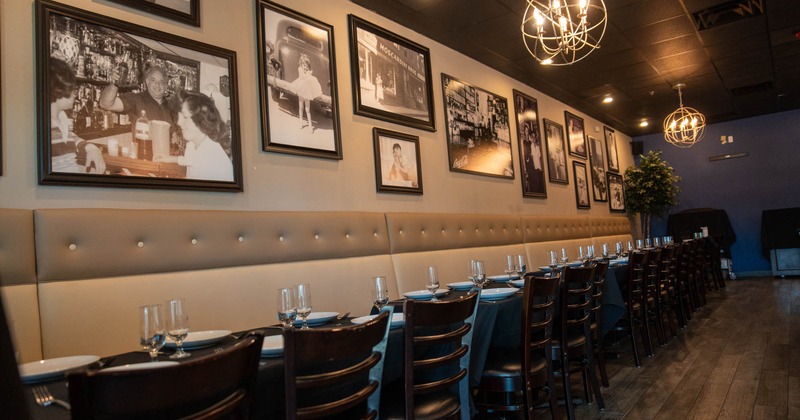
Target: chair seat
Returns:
[508, 365]
[573, 340]
[436, 405]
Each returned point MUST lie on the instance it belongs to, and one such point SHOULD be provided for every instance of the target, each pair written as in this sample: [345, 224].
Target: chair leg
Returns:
[598, 397]
[567, 385]
[648, 342]
[633, 340]
[600, 358]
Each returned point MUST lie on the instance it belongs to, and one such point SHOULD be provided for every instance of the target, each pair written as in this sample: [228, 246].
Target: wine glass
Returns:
[581, 253]
[605, 250]
[511, 267]
[433, 281]
[152, 333]
[177, 326]
[564, 257]
[553, 262]
[522, 266]
[380, 292]
[639, 244]
[618, 249]
[590, 252]
[287, 306]
[478, 273]
[630, 246]
[648, 243]
[303, 303]
[657, 242]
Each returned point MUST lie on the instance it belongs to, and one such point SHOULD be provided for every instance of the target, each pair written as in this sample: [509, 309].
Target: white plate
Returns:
[397, 320]
[498, 293]
[424, 294]
[503, 277]
[53, 368]
[140, 366]
[273, 346]
[198, 339]
[518, 283]
[461, 285]
[545, 268]
[574, 264]
[317, 318]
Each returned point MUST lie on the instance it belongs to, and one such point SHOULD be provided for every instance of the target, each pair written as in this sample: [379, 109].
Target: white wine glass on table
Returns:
[380, 292]
[433, 281]
[521, 265]
[553, 264]
[178, 326]
[303, 303]
[564, 257]
[287, 306]
[511, 267]
[479, 272]
[152, 331]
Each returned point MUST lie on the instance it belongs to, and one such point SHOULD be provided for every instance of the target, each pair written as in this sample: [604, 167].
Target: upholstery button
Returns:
[316, 236]
[72, 247]
[194, 241]
[241, 239]
[401, 232]
[140, 244]
[423, 231]
[347, 236]
[281, 239]
[375, 234]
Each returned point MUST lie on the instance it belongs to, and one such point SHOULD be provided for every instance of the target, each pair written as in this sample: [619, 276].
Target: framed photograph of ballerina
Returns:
[391, 76]
[398, 167]
[184, 11]
[122, 105]
[297, 72]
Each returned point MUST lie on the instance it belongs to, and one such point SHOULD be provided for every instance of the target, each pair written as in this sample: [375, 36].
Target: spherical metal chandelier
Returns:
[684, 127]
[562, 32]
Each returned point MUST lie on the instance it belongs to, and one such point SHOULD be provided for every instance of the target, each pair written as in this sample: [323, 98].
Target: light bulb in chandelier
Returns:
[563, 32]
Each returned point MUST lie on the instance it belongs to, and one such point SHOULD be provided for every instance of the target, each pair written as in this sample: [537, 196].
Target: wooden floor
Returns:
[739, 358]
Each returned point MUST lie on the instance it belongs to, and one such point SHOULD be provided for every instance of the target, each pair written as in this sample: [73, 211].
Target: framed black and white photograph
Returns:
[598, 165]
[531, 154]
[184, 11]
[297, 71]
[556, 154]
[581, 185]
[478, 136]
[130, 106]
[616, 193]
[391, 76]
[398, 167]
[576, 135]
[611, 149]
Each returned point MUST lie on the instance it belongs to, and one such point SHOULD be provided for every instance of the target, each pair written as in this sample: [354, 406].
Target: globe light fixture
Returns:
[684, 127]
[562, 32]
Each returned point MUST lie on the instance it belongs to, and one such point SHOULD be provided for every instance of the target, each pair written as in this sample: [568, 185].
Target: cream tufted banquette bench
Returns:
[73, 279]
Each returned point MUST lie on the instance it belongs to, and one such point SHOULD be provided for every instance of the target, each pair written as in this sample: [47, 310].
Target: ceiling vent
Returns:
[750, 89]
[731, 11]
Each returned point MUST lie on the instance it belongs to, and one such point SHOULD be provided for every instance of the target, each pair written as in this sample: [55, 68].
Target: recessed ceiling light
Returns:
[644, 124]
[608, 99]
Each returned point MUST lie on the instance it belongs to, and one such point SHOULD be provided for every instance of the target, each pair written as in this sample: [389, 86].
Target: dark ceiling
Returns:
[735, 67]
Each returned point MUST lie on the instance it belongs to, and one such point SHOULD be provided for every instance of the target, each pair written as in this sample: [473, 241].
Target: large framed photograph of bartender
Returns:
[297, 69]
[122, 105]
[391, 76]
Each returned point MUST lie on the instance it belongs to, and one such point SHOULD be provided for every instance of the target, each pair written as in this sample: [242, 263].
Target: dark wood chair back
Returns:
[637, 263]
[438, 340]
[217, 386]
[576, 301]
[599, 281]
[12, 400]
[335, 371]
[538, 305]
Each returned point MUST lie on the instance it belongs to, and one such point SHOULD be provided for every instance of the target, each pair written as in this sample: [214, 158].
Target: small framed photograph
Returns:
[478, 136]
[297, 73]
[575, 134]
[598, 164]
[391, 76]
[184, 11]
[611, 149]
[122, 105]
[531, 154]
[581, 185]
[397, 162]
[556, 155]
[616, 193]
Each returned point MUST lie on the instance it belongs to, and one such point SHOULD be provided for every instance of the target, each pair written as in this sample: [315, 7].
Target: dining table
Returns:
[497, 326]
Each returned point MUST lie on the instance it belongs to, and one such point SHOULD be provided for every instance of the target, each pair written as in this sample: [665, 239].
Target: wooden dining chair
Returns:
[437, 342]
[335, 371]
[572, 339]
[218, 386]
[635, 318]
[599, 282]
[517, 381]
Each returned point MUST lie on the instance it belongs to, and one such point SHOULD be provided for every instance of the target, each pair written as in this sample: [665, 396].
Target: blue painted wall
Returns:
[769, 178]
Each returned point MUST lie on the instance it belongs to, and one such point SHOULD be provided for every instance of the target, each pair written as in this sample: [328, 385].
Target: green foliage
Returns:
[651, 189]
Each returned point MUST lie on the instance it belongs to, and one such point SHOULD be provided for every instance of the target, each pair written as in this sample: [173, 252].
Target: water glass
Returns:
[553, 264]
[433, 281]
[618, 249]
[511, 267]
[380, 292]
[564, 257]
[630, 246]
[648, 243]
[522, 265]
[178, 326]
[657, 242]
[287, 306]
[605, 250]
[639, 244]
[303, 303]
[590, 252]
[581, 253]
[152, 331]
[478, 273]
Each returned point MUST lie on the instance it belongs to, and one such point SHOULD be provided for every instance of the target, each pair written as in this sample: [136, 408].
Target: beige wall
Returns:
[275, 181]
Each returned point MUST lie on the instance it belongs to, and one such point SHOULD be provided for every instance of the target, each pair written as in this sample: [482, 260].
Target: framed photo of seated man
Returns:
[122, 105]
[398, 167]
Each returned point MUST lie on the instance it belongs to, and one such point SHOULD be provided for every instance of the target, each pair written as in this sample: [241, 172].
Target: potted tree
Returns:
[651, 189]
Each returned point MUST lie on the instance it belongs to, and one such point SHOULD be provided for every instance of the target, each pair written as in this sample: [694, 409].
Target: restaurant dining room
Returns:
[380, 209]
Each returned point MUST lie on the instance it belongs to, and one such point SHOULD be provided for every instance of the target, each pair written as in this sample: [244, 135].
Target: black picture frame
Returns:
[395, 171]
[556, 152]
[476, 119]
[170, 9]
[391, 76]
[1, 103]
[616, 193]
[77, 53]
[529, 144]
[581, 185]
[598, 165]
[296, 58]
[612, 154]
[576, 134]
